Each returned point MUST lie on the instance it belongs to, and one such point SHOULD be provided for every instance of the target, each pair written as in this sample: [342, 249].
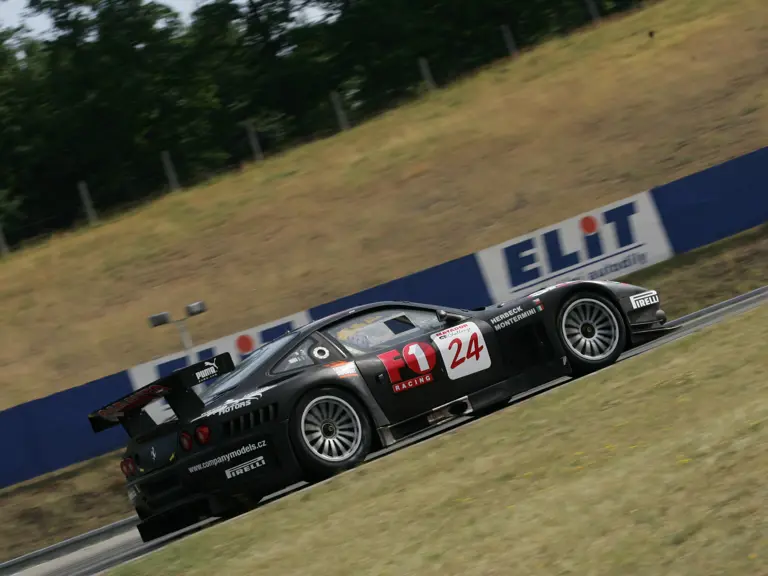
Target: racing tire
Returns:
[592, 332]
[331, 432]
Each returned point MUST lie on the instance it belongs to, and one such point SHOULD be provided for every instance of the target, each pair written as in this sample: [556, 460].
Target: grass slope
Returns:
[655, 466]
[91, 494]
[576, 123]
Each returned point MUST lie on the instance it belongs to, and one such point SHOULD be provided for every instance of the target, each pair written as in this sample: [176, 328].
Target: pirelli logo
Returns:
[245, 467]
[645, 299]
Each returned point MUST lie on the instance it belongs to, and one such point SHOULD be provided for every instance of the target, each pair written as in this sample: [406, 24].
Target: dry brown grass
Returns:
[569, 126]
[61, 505]
[85, 496]
[654, 466]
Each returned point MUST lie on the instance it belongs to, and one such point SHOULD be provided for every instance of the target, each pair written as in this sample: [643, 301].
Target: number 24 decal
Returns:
[463, 350]
[473, 350]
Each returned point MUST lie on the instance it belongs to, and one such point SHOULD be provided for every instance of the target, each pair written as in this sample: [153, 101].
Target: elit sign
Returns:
[607, 243]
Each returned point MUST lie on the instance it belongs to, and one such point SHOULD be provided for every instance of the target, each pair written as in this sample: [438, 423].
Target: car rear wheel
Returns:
[331, 432]
[592, 331]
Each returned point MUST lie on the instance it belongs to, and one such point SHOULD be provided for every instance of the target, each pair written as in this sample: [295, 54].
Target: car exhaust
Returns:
[450, 411]
[459, 408]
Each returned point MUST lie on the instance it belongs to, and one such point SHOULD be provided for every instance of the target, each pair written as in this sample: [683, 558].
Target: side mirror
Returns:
[449, 317]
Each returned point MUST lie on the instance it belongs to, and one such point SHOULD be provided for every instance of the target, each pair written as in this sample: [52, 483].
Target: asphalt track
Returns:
[123, 547]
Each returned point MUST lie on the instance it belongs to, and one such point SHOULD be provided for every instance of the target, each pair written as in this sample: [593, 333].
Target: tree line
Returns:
[117, 82]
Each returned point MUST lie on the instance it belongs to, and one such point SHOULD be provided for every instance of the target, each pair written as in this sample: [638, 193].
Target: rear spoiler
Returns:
[176, 388]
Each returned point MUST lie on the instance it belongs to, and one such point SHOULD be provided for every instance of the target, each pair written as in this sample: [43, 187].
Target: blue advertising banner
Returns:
[716, 203]
[54, 432]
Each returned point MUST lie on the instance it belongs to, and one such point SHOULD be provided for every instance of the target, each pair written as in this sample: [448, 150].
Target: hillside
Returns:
[574, 124]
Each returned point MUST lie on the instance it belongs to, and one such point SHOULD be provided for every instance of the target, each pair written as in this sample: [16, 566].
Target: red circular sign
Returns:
[244, 344]
[420, 357]
[588, 225]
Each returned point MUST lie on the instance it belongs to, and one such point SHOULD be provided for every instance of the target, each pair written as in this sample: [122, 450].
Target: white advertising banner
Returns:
[603, 244]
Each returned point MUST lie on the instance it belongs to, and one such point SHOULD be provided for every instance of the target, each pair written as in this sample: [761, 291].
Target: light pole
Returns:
[194, 309]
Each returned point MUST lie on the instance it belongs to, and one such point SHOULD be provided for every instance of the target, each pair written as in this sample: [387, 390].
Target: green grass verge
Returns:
[654, 466]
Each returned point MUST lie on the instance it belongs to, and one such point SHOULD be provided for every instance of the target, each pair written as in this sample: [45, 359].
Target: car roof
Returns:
[321, 323]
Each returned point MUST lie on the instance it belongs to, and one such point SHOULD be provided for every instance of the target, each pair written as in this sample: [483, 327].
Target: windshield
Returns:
[255, 361]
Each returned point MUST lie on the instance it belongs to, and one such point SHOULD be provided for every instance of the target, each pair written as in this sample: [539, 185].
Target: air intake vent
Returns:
[245, 422]
[528, 347]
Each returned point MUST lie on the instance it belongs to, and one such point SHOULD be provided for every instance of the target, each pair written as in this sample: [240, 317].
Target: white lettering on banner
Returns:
[644, 299]
[463, 350]
[606, 243]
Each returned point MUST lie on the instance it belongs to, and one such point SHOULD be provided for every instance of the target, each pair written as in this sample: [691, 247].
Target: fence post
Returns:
[509, 40]
[170, 171]
[253, 140]
[426, 74]
[85, 197]
[4, 250]
[341, 115]
[593, 11]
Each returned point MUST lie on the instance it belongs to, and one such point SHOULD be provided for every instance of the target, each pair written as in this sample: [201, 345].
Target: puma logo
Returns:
[208, 372]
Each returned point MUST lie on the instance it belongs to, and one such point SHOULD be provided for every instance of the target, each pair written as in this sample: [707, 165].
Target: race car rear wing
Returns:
[176, 388]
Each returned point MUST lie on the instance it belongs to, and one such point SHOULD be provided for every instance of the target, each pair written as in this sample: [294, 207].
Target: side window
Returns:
[305, 354]
[425, 320]
[369, 332]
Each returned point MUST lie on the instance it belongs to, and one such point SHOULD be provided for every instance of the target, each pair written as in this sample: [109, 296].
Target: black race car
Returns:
[318, 399]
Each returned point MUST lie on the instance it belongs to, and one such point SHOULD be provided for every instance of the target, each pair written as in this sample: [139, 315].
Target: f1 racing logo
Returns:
[418, 357]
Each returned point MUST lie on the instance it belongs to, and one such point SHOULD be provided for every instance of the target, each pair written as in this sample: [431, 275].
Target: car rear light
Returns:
[128, 467]
[186, 441]
[203, 433]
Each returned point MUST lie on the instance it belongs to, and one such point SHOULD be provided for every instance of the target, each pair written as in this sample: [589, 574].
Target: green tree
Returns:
[120, 81]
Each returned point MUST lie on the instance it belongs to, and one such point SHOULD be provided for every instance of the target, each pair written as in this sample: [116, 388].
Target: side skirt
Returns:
[479, 401]
[642, 335]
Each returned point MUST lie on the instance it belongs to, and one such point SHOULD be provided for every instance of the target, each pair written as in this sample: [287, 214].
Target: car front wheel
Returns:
[592, 331]
[331, 432]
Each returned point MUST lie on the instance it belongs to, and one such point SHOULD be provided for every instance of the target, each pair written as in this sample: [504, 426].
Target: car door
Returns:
[412, 361]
